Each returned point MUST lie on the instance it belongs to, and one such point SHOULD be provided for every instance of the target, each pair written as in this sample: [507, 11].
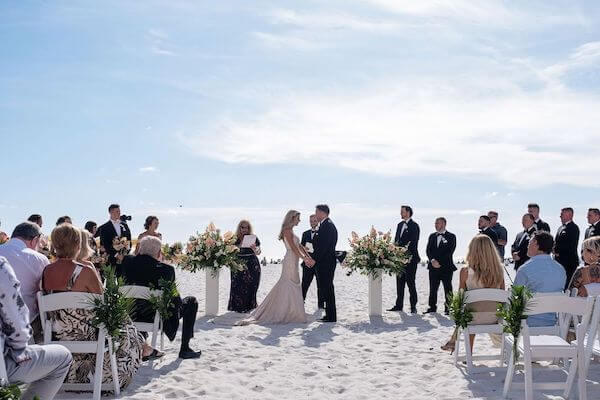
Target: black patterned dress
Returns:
[244, 284]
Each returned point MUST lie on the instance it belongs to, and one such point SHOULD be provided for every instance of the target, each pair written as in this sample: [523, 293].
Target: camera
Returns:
[125, 218]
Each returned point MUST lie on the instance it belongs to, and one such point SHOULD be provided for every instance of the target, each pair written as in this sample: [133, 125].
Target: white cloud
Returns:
[289, 40]
[148, 169]
[585, 56]
[525, 139]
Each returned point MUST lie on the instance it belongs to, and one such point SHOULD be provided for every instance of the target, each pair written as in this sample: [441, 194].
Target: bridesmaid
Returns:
[244, 284]
[150, 226]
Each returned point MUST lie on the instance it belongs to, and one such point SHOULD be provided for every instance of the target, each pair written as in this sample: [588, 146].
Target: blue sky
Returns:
[213, 111]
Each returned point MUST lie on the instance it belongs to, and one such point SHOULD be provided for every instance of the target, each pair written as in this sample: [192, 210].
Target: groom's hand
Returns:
[309, 262]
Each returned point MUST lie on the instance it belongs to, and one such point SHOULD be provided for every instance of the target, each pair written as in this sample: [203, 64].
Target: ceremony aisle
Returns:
[397, 357]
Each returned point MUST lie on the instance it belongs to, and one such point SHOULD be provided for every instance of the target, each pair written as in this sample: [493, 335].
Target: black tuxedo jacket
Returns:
[324, 244]
[542, 226]
[443, 253]
[107, 233]
[306, 239]
[410, 238]
[491, 234]
[565, 245]
[143, 270]
[593, 230]
[520, 246]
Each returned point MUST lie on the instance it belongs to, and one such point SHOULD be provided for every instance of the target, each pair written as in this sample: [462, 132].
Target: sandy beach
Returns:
[397, 356]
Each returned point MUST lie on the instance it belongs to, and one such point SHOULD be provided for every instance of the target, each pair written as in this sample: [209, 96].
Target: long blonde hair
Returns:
[593, 244]
[288, 222]
[483, 259]
[238, 231]
[85, 251]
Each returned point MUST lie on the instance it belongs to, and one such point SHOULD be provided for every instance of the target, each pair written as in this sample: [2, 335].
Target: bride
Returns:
[284, 303]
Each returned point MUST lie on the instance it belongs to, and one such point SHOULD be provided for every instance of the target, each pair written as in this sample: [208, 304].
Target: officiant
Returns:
[308, 273]
[244, 284]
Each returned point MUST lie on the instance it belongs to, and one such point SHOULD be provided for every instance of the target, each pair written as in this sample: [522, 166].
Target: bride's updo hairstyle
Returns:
[288, 221]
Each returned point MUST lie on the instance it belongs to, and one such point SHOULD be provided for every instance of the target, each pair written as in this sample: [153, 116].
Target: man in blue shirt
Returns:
[541, 274]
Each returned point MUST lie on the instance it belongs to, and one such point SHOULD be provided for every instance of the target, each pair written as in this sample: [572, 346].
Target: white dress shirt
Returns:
[440, 237]
[117, 225]
[28, 266]
[404, 227]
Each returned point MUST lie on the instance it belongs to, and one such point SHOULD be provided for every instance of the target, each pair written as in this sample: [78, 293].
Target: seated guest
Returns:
[590, 273]
[244, 284]
[541, 274]
[92, 228]
[67, 275]
[145, 269]
[42, 367]
[4, 237]
[28, 265]
[150, 226]
[85, 251]
[483, 271]
[519, 247]
[65, 219]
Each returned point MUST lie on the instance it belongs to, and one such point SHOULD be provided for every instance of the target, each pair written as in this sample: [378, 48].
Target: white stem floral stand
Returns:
[375, 296]
[212, 292]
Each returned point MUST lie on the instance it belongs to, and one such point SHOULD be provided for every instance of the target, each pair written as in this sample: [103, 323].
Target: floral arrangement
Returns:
[100, 258]
[512, 312]
[172, 253]
[376, 253]
[459, 313]
[122, 246]
[211, 250]
[113, 309]
[164, 302]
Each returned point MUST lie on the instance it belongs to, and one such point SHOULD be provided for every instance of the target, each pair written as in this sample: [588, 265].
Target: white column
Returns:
[212, 292]
[375, 302]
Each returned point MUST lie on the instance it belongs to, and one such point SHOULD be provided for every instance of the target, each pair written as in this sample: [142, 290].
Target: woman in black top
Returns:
[244, 284]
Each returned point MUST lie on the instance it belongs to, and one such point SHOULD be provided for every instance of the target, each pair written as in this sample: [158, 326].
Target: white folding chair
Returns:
[156, 327]
[591, 343]
[3, 374]
[103, 344]
[472, 296]
[552, 346]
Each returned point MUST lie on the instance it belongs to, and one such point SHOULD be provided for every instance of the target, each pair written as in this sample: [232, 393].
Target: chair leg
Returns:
[581, 379]
[113, 368]
[502, 351]
[528, 378]
[98, 370]
[571, 376]
[154, 338]
[468, 352]
[509, 375]
[162, 340]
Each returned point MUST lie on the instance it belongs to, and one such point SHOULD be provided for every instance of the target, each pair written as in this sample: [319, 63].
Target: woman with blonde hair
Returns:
[244, 284]
[284, 303]
[85, 250]
[587, 278]
[483, 271]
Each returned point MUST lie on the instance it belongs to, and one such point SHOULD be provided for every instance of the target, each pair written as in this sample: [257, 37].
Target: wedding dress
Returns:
[284, 303]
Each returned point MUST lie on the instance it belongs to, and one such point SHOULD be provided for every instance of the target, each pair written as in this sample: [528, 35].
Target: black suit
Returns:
[489, 232]
[143, 270]
[592, 230]
[107, 233]
[565, 248]
[440, 247]
[520, 246]
[410, 239]
[324, 244]
[542, 226]
[308, 273]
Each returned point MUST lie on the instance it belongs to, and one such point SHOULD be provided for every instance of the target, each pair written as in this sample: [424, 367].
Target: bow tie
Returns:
[439, 234]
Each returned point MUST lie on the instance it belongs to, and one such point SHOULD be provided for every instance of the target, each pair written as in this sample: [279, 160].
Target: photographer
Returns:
[116, 227]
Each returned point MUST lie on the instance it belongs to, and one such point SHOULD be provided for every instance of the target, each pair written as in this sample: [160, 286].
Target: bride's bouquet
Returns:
[376, 253]
[211, 250]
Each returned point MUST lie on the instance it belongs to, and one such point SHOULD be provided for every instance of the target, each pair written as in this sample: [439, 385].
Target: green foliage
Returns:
[513, 312]
[459, 313]
[164, 302]
[11, 392]
[112, 310]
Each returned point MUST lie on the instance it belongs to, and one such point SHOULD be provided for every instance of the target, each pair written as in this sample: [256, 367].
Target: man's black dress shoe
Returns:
[327, 319]
[430, 311]
[395, 308]
[413, 310]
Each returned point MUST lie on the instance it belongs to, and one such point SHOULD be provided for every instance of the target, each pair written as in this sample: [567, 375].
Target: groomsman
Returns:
[325, 262]
[440, 251]
[113, 228]
[519, 247]
[593, 218]
[484, 224]
[407, 234]
[308, 273]
[534, 209]
[501, 232]
[565, 243]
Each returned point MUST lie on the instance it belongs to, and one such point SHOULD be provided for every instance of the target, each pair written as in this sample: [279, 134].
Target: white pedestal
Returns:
[375, 300]
[212, 292]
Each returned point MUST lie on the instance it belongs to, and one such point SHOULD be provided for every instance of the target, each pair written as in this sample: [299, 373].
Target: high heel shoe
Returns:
[449, 346]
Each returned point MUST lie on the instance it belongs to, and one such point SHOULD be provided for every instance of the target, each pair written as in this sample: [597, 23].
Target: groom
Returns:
[324, 260]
